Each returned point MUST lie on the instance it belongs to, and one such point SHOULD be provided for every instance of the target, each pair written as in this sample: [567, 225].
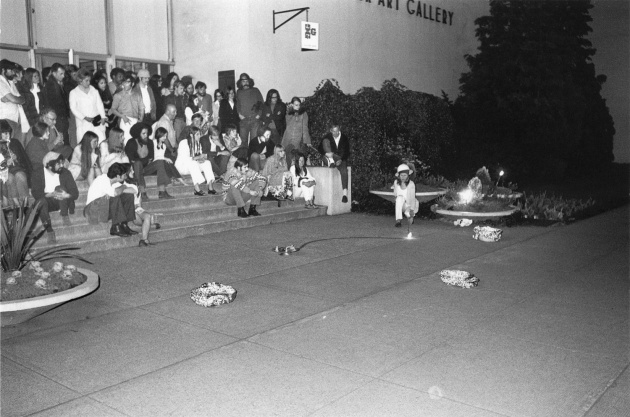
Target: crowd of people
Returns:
[70, 124]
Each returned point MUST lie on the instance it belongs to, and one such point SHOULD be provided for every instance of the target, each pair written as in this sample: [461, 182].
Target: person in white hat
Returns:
[146, 94]
[405, 192]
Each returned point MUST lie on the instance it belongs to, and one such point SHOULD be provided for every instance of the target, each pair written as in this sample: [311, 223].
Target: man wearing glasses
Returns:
[55, 140]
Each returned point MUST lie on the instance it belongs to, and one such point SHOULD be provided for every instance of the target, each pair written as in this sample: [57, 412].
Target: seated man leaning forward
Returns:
[244, 185]
[260, 149]
[336, 150]
[107, 202]
[58, 192]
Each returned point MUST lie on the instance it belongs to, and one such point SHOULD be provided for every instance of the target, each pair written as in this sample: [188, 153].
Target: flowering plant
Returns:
[36, 280]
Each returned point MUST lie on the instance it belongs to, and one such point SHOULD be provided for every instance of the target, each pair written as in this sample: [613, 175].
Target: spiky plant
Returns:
[18, 235]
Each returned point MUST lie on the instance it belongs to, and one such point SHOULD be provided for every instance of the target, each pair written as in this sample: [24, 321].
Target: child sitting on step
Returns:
[405, 192]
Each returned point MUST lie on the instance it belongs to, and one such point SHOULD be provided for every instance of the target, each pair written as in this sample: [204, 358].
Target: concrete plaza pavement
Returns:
[348, 326]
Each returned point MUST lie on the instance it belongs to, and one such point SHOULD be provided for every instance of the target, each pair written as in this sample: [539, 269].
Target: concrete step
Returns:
[230, 221]
[155, 205]
[151, 181]
[173, 216]
[152, 193]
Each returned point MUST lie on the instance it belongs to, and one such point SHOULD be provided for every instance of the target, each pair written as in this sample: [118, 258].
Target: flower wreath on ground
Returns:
[459, 278]
[211, 294]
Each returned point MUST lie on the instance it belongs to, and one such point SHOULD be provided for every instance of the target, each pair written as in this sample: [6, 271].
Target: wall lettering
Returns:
[420, 9]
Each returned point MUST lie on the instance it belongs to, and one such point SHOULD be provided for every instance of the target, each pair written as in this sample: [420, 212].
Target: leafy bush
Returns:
[384, 127]
[19, 233]
[540, 206]
[532, 99]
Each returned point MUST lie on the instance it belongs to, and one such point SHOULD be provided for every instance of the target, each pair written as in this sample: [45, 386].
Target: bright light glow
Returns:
[466, 196]
[501, 173]
[409, 236]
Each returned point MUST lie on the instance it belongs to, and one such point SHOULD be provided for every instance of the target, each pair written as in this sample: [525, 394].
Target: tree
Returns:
[531, 99]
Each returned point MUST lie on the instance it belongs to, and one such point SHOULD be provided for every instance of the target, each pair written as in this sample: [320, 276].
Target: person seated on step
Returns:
[141, 154]
[58, 192]
[279, 178]
[218, 154]
[304, 183]
[113, 149]
[234, 145]
[196, 121]
[191, 160]
[106, 202]
[160, 152]
[260, 148]
[85, 162]
[405, 192]
[244, 185]
[17, 165]
[55, 140]
[335, 147]
[143, 218]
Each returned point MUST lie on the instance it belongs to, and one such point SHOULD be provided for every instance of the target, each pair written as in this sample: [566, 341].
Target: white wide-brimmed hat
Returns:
[404, 168]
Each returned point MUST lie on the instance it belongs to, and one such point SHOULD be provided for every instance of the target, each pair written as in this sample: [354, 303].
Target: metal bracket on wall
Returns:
[300, 10]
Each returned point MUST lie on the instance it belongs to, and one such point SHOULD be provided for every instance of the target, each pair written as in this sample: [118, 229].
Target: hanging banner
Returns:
[310, 35]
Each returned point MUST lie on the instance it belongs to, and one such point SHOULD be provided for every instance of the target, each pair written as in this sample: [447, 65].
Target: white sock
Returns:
[345, 192]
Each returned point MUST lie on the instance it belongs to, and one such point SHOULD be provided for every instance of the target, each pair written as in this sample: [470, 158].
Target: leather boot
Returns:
[116, 230]
[252, 211]
[125, 227]
[241, 212]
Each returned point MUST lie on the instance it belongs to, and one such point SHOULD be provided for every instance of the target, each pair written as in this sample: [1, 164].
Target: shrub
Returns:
[383, 127]
[541, 206]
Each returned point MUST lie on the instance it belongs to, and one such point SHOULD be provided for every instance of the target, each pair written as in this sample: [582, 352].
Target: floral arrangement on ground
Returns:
[38, 280]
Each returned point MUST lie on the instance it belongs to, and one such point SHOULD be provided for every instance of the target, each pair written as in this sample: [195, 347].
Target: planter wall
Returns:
[19, 311]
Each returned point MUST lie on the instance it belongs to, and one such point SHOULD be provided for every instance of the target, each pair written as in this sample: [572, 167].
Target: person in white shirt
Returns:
[191, 160]
[117, 202]
[303, 181]
[10, 99]
[87, 107]
[148, 98]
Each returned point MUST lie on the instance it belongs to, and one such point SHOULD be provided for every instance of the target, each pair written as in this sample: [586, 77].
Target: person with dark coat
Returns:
[57, 191]
[228, 111]
[260, 148]
[274, 115]
[141, 154]
[212, 145]
[17, 165]
[56, 97]
[335, 148]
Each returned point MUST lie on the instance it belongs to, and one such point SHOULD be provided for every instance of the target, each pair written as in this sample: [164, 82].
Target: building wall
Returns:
[611, 38]
[361, 43]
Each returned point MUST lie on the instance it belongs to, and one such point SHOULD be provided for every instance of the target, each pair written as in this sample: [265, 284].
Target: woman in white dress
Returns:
[303, 181]
[87, 107]
[192, 161]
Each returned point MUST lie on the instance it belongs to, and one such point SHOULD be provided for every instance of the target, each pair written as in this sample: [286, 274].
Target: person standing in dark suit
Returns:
[336, 150]
[274, 114]
[57, 98]
[228, 112]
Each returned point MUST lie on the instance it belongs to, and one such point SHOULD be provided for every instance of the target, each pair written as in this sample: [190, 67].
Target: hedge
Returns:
[383, 128]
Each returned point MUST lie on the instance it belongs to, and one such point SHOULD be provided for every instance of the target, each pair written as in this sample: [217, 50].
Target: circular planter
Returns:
[421, 196]
[475, 214]
[19, 311]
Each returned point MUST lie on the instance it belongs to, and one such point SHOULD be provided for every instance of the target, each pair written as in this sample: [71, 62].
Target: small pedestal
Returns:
[328, 191]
